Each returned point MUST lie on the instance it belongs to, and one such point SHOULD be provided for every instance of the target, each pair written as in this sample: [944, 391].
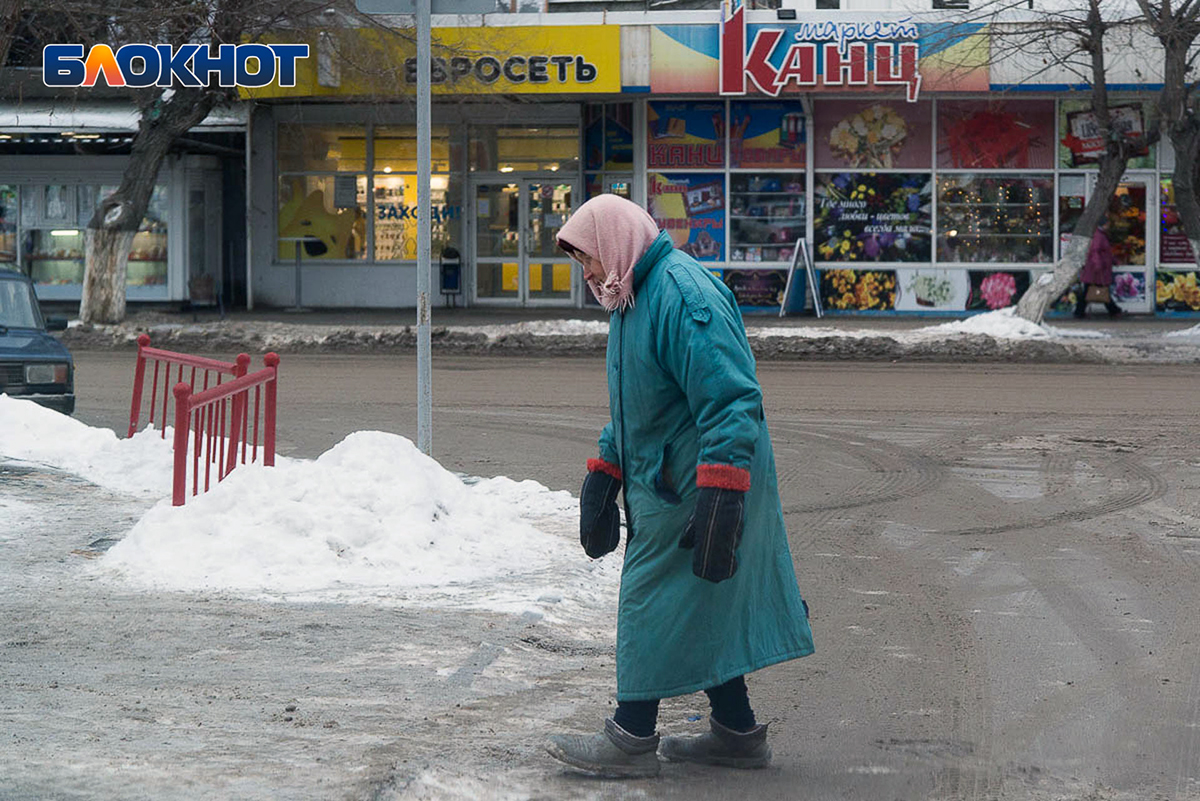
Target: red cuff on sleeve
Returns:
[723, 476]
[601, 466]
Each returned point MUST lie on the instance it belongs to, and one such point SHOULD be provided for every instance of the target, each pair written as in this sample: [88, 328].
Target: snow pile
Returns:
[537, 328]
[137, 466]
[372, 513]
[1184, 333]
[1000, 324]
[372, 519]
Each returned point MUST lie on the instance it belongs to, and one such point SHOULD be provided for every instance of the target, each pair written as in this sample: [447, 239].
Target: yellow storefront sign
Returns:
[367, 62]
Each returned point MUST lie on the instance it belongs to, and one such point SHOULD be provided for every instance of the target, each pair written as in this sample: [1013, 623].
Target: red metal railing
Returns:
[208, 370]
[219, 418]
[219, 411]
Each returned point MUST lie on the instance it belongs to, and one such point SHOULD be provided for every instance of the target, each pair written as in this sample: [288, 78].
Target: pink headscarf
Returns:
[618, 232]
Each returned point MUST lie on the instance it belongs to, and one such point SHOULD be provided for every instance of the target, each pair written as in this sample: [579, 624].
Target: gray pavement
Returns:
[1001, 560]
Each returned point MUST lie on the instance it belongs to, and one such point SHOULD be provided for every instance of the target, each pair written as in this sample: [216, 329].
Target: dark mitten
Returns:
[599, 520]
[714, 531]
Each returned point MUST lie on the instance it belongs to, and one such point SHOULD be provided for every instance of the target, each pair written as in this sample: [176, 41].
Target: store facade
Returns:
[52, 176]
[910, 166]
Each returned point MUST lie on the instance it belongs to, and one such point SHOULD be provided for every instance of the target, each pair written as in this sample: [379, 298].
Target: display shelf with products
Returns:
[767, 213]
[995, 218]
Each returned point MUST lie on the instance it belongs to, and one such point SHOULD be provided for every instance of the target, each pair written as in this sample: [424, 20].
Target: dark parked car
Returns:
[33, 364]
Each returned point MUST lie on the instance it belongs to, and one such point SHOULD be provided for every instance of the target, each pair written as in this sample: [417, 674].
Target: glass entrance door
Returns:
[516, 259]
[1130, 237]
[1133, 241]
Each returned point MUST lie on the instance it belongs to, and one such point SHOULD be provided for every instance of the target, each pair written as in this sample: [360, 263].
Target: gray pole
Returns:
[424, 233]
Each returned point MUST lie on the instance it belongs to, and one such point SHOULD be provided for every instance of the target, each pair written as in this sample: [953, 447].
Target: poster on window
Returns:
[872, 216]
[1173, 245]
[1083, 141]
[757, 290]
[593, 136]
[691, 208]
[858, 290]
[618, 136]
[874, 136]
[996, 289]
[685, 134]
[766, 134]
[978, 134]
[932, 290]
[1177, 292]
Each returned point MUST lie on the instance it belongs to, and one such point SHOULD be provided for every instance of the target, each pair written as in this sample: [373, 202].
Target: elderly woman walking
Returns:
[708, 591]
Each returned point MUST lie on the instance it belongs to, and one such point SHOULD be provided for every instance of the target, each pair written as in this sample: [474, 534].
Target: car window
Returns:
[17, 306]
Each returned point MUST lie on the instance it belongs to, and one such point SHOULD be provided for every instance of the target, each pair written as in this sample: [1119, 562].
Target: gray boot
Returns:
[724, 747]
[612, 754]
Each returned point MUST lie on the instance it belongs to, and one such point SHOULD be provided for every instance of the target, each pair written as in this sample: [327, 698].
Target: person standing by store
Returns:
[1097, 274]
[708, 591]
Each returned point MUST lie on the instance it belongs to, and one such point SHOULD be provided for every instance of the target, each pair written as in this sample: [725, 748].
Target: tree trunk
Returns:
[1185, 139]
[107, 257]
[118, 216]
[1050, 287]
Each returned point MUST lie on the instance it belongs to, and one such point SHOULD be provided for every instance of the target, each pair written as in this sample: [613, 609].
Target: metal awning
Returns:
[49, 116]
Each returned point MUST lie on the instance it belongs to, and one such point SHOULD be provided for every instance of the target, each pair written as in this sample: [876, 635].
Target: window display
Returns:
[396, 216]
[305, 147]
[995, 218]
[988, 135]
[691, 208]
[55, 255]
[872, 135]
[8, 226]
[767, 135]
[766, 215]
[1173, 245]
[1080, 143]
[324, 216]
[872, 217]
[686, 134]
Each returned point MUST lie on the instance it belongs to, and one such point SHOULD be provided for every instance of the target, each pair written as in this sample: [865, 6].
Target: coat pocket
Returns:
[663, 486]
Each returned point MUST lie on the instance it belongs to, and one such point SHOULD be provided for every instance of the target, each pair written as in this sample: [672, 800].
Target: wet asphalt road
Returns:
[1002, 564]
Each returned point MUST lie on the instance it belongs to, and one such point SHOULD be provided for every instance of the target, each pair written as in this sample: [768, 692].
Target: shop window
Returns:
[396, 216]
[307, 147]
[1173, 245]
[608, 149]
[322, 217]
[53, 221]
[9, 211]
[1081, 143]
[395, 148]
[995, 218]
[766, 215]
[872, 135]
[983, 135]
[766, 135]
[543, 148]
[685, 134]
[691, 208]
[870, 216]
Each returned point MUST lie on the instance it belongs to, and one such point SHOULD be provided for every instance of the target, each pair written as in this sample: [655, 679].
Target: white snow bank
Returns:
[372, 519]
[537, 328]
[370, 516]
[137, 466]
[1185, 333]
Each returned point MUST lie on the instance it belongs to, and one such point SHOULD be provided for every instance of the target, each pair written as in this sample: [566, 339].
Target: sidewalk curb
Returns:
[228, 337]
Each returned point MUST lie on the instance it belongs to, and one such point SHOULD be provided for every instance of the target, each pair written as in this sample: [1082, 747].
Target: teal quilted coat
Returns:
[683, 395]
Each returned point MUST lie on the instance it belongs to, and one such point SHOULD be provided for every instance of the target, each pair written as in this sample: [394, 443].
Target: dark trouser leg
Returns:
[731, 705]
[639, 718]
[1081, 302]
